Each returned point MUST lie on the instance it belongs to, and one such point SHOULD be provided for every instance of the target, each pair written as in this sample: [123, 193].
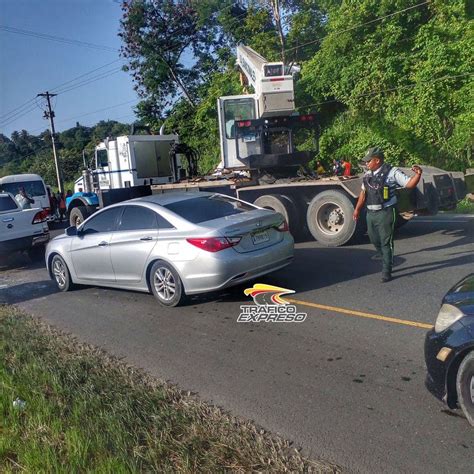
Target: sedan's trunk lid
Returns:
[257, 229]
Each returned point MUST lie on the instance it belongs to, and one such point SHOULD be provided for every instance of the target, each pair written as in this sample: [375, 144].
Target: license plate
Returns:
[260, 237]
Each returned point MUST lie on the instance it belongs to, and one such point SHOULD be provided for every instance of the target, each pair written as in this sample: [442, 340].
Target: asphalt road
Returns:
[346, 384]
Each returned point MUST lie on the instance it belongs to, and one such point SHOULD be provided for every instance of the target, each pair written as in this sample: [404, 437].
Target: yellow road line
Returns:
[361, 314]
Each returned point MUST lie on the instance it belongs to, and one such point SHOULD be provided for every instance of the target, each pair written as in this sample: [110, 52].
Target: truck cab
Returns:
[124, 168]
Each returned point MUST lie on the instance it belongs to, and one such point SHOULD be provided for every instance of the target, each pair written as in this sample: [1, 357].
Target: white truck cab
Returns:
[133, 160]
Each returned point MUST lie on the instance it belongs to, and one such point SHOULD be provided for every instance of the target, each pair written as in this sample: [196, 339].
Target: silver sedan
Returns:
[172, 245]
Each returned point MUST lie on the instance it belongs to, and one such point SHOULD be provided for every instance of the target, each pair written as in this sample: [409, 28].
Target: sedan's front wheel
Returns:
[166, 284]
[465, 387]
[61, 274]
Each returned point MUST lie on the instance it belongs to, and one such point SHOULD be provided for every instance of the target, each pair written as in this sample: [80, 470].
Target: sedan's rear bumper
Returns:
[214, 271]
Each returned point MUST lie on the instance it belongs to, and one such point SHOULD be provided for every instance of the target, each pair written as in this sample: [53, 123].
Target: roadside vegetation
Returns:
[465, 206]
[393, 74]
[67, 407]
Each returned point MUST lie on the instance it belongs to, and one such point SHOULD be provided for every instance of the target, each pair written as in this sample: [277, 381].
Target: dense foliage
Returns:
[391, 73]
[396, 73]
[25, 153]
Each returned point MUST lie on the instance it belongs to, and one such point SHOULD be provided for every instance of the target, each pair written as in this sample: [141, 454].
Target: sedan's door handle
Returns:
[103, 244]
[146, 238]
[8, 219]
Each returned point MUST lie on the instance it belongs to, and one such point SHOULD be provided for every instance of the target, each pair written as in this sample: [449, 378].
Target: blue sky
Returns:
[30, 65]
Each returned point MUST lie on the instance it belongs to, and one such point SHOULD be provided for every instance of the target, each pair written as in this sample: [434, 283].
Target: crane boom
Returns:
[274, 90]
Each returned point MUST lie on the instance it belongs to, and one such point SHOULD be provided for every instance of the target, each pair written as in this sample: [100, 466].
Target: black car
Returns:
[449, 349]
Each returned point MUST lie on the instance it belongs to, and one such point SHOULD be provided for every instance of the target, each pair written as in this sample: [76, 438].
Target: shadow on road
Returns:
[20, 261]
[22, 292]
[315, 268]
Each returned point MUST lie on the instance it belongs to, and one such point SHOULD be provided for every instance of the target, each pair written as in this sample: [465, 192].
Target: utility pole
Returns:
[50, 114]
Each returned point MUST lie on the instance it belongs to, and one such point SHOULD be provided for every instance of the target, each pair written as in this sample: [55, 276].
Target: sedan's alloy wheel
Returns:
[164, 283]
[59, 272]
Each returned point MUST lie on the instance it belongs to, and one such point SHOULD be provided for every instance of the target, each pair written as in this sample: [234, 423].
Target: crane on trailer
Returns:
[260, 135]
[273, 86]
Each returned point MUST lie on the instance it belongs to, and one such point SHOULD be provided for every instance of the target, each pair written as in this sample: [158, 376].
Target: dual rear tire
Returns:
[285, 206]
[328, 217]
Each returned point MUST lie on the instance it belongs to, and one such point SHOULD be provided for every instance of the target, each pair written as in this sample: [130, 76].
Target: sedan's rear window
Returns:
[7, 204]
[207, 208]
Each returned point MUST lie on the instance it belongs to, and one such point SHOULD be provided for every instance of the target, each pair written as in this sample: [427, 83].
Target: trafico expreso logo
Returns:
[269, 306]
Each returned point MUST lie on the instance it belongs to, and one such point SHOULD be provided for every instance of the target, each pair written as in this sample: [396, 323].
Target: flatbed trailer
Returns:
[323, 207]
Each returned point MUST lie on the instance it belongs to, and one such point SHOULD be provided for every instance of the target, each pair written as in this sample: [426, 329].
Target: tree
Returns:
[157, 35]
[403, 80]
[25, 153]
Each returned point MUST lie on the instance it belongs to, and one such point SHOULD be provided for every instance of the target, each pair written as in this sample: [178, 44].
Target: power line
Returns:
[59, 39]
[5, 116]
[18, 116]
[90, 80]
[85, 74]
[30, 105]
[90, 113]
[361, 24]
[99, 110]
[407, 86]
[32, 153]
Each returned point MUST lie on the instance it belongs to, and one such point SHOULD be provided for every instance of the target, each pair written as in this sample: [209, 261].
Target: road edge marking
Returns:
[361, 314]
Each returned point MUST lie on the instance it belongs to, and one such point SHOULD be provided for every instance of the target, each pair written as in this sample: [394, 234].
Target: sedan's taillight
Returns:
[214, 244]
[40, 216]
[283, 227]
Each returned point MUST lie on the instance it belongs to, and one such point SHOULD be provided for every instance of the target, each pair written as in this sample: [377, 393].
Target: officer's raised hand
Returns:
[415, 179]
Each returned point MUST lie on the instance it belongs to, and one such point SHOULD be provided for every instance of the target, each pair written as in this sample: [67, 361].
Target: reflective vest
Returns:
[377, 191]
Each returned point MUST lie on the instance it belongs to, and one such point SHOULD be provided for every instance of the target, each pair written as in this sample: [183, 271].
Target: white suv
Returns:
[22, 229]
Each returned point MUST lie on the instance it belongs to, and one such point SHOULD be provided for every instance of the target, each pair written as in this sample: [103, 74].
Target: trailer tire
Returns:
[329, 219]
[285, 206]
[78, 215]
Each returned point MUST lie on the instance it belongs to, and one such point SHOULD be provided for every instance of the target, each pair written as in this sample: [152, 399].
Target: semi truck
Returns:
[262, 162]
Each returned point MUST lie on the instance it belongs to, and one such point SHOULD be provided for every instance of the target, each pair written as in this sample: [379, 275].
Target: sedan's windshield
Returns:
[32, 188]
[207, 208]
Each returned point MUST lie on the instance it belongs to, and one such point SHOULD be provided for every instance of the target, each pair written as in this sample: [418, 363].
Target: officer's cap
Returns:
[375, 152]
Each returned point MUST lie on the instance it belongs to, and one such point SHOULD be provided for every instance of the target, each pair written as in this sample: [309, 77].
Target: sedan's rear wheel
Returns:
[61, 274]
[166, 284]
[465, 387]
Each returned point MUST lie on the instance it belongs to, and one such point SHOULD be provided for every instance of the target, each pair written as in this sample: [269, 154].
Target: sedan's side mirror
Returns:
[71, 231]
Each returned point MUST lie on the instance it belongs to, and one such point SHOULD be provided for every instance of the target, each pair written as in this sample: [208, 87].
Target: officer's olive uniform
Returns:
[381, 204]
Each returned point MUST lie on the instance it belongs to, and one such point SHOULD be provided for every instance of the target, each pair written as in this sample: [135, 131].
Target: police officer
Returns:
[378, 193]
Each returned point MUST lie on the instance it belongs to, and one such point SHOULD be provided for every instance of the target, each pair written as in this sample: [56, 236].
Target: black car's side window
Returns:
[138, 218]
[106, 221]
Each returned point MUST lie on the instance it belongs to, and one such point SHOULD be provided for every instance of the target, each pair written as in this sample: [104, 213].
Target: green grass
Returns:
[86, 411]
[464, 207]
